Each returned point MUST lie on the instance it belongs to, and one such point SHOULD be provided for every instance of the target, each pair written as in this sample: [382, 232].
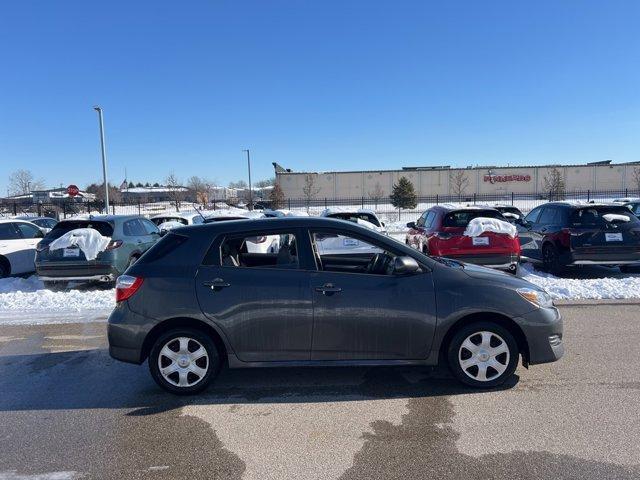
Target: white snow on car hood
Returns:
[614, 217]
[480, 225]
[90, 241]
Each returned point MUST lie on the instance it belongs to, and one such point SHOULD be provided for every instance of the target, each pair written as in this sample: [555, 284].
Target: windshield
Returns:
[104, 228]
[601, 216]
[461, 218]
[354, 217]
[159, 220]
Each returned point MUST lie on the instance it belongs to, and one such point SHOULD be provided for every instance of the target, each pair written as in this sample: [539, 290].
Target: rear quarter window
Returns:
[162, 248]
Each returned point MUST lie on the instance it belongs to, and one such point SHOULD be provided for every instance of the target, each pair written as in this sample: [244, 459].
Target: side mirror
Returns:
[405, 265]
[411, 224]
[162, 233]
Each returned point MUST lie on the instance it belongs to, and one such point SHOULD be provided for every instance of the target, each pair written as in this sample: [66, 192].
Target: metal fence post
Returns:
[512, 195]
[436, 199]
[588, 195]
[363, 203]
[474, 198]
[15, 209]
[140, 209]
[289, 199]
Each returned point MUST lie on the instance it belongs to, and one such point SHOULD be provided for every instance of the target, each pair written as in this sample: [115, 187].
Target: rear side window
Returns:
[162, 248]
[257, 250]
[533, 215]
[596, 216]
[462, 218]
[354, 217]
[29, 231]
[133, 228]
[8, 231]
[104, 228]
[549, 215]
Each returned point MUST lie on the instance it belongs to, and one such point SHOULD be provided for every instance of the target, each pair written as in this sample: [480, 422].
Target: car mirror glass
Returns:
[405, 265]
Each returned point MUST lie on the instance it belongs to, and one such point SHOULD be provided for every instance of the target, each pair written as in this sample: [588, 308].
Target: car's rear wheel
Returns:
[483, 354]
[184, 361]
[4, 271]
[551, 258]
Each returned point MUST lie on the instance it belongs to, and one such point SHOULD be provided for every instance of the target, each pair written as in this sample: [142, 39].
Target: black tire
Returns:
[456, 354]
[551, 259]
[4, 272]
[212, 365]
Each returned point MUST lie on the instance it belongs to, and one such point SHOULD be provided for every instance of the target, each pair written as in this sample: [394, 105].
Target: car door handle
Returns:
[216, 284]
[328, 289]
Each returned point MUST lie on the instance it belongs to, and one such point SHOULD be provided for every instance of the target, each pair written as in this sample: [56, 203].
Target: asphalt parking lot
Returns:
[68, 411]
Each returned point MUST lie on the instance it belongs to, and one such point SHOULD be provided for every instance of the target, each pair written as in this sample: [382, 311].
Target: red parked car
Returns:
[440, 231]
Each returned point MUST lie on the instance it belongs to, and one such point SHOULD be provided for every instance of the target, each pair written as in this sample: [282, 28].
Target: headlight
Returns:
[538, 298]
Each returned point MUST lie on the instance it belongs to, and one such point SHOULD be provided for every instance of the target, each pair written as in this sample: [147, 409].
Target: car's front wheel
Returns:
[184, 361]
[483, 354]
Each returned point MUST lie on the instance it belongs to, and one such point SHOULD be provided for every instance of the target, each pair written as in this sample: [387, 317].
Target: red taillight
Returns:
[126, 286]
[114, 244]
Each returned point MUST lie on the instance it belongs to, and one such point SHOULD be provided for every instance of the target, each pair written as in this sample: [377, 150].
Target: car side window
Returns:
[548, 215]
[422, 219]
[29, 231]
[258, 250]
[133, 228]
[8, 231]
[197, 220]
[533, 215]
[149, 226]
[337, 252]
[429, 220]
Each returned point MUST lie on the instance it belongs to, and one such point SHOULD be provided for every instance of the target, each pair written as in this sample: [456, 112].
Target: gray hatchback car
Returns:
[334, 294]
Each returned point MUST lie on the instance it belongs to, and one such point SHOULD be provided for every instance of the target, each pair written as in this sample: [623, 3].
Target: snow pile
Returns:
[90, 241]
[24, 300]
[480, 225]
[579, 289]
[614, 217]
[170, 225]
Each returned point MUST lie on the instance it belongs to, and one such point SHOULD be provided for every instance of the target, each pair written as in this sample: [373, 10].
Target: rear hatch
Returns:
[604, 232]
[72, 255]
[452, 241]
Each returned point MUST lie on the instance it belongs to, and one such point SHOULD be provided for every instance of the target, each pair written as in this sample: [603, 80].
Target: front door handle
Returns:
[216, 284]
[328, 289]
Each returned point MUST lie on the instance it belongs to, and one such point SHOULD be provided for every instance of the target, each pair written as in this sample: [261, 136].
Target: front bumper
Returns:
[543, 331]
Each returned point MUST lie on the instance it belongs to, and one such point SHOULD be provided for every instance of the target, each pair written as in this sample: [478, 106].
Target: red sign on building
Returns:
[72, 190]
[506, 178]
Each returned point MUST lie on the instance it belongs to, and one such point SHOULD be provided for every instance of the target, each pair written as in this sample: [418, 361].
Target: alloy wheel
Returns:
[183, 362]
[484, 356]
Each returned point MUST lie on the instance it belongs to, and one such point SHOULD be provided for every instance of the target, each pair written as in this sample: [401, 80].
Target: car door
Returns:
[31, 237]
[359, 315]
[261, 301]
[152, 234]
[528, 235]
[12, 247]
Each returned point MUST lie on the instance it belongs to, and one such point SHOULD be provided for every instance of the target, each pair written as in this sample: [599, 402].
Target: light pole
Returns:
[104, 159]
[250, 191]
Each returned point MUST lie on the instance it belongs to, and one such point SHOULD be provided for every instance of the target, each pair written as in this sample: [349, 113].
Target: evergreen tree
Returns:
[277, 197]
[404, 195]
[131, 185]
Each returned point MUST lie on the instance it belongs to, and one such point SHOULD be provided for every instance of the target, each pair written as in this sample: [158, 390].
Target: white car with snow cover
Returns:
[169, 221]
[18, 242]
[361, 216]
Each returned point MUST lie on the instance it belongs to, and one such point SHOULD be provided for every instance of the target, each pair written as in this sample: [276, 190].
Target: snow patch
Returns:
[480, 225]
[582, 289]
[614, 217]
[90, 241]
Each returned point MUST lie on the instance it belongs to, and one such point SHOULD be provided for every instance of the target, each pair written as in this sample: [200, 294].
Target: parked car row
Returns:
[555, 235]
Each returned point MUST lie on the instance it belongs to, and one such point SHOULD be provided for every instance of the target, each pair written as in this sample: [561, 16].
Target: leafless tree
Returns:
[201, 188]
[276, 196]
[269, 182]
[459, 182]
[310, 190]
[376, 194]
[175, 190]
[554, 184]
[22, 182]
[115, 195]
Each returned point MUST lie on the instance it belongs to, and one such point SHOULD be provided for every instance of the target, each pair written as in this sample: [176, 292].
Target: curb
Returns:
[602, 301]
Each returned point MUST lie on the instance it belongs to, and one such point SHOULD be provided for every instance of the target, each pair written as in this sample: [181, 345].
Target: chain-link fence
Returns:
[382, 206]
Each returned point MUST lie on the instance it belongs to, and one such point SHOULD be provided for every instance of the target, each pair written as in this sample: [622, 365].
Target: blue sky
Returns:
[314, 85]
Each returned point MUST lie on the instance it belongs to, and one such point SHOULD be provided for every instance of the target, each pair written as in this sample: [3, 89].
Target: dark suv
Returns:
[560, 234]
[199, 299]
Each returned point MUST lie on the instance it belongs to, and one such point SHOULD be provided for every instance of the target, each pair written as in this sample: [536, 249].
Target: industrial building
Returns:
[445, 180]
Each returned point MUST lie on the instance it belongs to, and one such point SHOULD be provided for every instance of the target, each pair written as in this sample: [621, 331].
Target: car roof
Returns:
[100, 218]
[14, 220]
[278, 222]
[185, 215]
[347, 210]
[449, 207]
[575, 204]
